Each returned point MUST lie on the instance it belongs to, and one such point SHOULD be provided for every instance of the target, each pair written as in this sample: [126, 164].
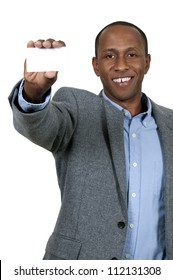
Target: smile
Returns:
[122, 80]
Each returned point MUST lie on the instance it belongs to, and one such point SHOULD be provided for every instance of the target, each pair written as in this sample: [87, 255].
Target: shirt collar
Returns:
[145, 100]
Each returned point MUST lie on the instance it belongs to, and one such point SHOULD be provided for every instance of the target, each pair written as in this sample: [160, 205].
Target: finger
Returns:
[30, 44]
[51, 43]
[48, 43]
[39, 43]
[51, 75]
[58, 44]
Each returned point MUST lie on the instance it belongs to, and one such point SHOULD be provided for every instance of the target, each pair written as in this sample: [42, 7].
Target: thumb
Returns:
[51, 75]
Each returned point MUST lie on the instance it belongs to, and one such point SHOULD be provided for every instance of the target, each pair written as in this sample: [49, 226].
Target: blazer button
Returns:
[121, 225]
[114, 258]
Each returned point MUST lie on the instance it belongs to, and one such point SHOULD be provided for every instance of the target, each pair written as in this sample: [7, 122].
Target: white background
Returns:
[29, 194]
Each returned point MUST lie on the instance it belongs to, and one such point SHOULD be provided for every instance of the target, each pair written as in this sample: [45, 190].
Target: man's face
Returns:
[121, 63]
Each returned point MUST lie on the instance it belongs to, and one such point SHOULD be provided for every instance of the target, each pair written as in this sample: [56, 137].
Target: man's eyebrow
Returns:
[109, 50]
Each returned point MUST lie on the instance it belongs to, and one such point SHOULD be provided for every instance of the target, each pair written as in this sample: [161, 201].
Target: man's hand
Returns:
[38, 83]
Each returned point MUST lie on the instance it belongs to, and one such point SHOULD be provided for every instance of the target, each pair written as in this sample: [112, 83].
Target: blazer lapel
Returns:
[164, 121]
[114, 130]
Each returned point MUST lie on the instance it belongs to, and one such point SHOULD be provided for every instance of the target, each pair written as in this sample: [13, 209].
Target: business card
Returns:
[43, 60]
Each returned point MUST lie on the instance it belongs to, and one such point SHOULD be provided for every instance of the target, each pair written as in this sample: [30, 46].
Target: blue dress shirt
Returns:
[145, 238]
[28, 107]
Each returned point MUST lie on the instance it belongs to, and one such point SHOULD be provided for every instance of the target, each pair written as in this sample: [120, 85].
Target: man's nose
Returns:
[121, 64]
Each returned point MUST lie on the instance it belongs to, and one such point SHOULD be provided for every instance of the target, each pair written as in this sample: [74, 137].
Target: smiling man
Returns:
[113, 153]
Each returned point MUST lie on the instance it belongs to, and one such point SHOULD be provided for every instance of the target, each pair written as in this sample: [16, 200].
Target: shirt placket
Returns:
[133, 188]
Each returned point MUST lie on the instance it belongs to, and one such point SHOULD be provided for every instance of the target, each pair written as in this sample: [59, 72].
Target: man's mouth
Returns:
[122, 80]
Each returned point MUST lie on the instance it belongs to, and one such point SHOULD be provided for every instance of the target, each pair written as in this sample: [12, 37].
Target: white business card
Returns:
[43, 60]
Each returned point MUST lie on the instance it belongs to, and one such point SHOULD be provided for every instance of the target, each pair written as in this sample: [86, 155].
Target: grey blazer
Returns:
[85, 135]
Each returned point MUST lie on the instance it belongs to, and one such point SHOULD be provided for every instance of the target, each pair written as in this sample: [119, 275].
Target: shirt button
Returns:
[131, 225]
[121, 225]
[133, 194]
[134, 164]
[134, 135]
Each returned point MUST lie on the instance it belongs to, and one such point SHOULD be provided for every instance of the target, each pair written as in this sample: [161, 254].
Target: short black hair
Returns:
[125, 23]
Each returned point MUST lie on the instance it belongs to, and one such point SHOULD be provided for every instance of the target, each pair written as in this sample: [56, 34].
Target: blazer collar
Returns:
[164, 120]
[114, 133]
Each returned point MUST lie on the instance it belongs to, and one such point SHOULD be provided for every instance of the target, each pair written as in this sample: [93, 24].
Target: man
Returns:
[113, 153]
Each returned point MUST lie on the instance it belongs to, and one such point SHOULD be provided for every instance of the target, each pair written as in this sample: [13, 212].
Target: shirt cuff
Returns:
[31, 107]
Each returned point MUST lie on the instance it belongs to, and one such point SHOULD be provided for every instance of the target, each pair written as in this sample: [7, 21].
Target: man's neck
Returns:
[135, 108]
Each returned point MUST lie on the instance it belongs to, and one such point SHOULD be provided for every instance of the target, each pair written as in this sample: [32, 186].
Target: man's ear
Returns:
[95, 66]
[148, 60]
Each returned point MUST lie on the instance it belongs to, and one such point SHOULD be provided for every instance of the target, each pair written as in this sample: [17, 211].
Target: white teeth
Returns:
[122, 80]
[117, 80]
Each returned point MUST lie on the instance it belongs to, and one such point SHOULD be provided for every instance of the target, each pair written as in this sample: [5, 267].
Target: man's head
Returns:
[125, 23]
[121, 60]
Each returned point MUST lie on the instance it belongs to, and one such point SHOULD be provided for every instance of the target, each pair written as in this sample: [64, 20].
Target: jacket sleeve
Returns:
[52, 127]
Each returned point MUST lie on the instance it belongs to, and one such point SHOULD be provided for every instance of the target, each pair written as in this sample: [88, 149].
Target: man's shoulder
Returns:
[77, 93]
[163, 116]
[162, 109]
[78, 99]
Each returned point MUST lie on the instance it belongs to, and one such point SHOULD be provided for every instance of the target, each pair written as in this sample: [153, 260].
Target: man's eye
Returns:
[110, 56]
[132, 55]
